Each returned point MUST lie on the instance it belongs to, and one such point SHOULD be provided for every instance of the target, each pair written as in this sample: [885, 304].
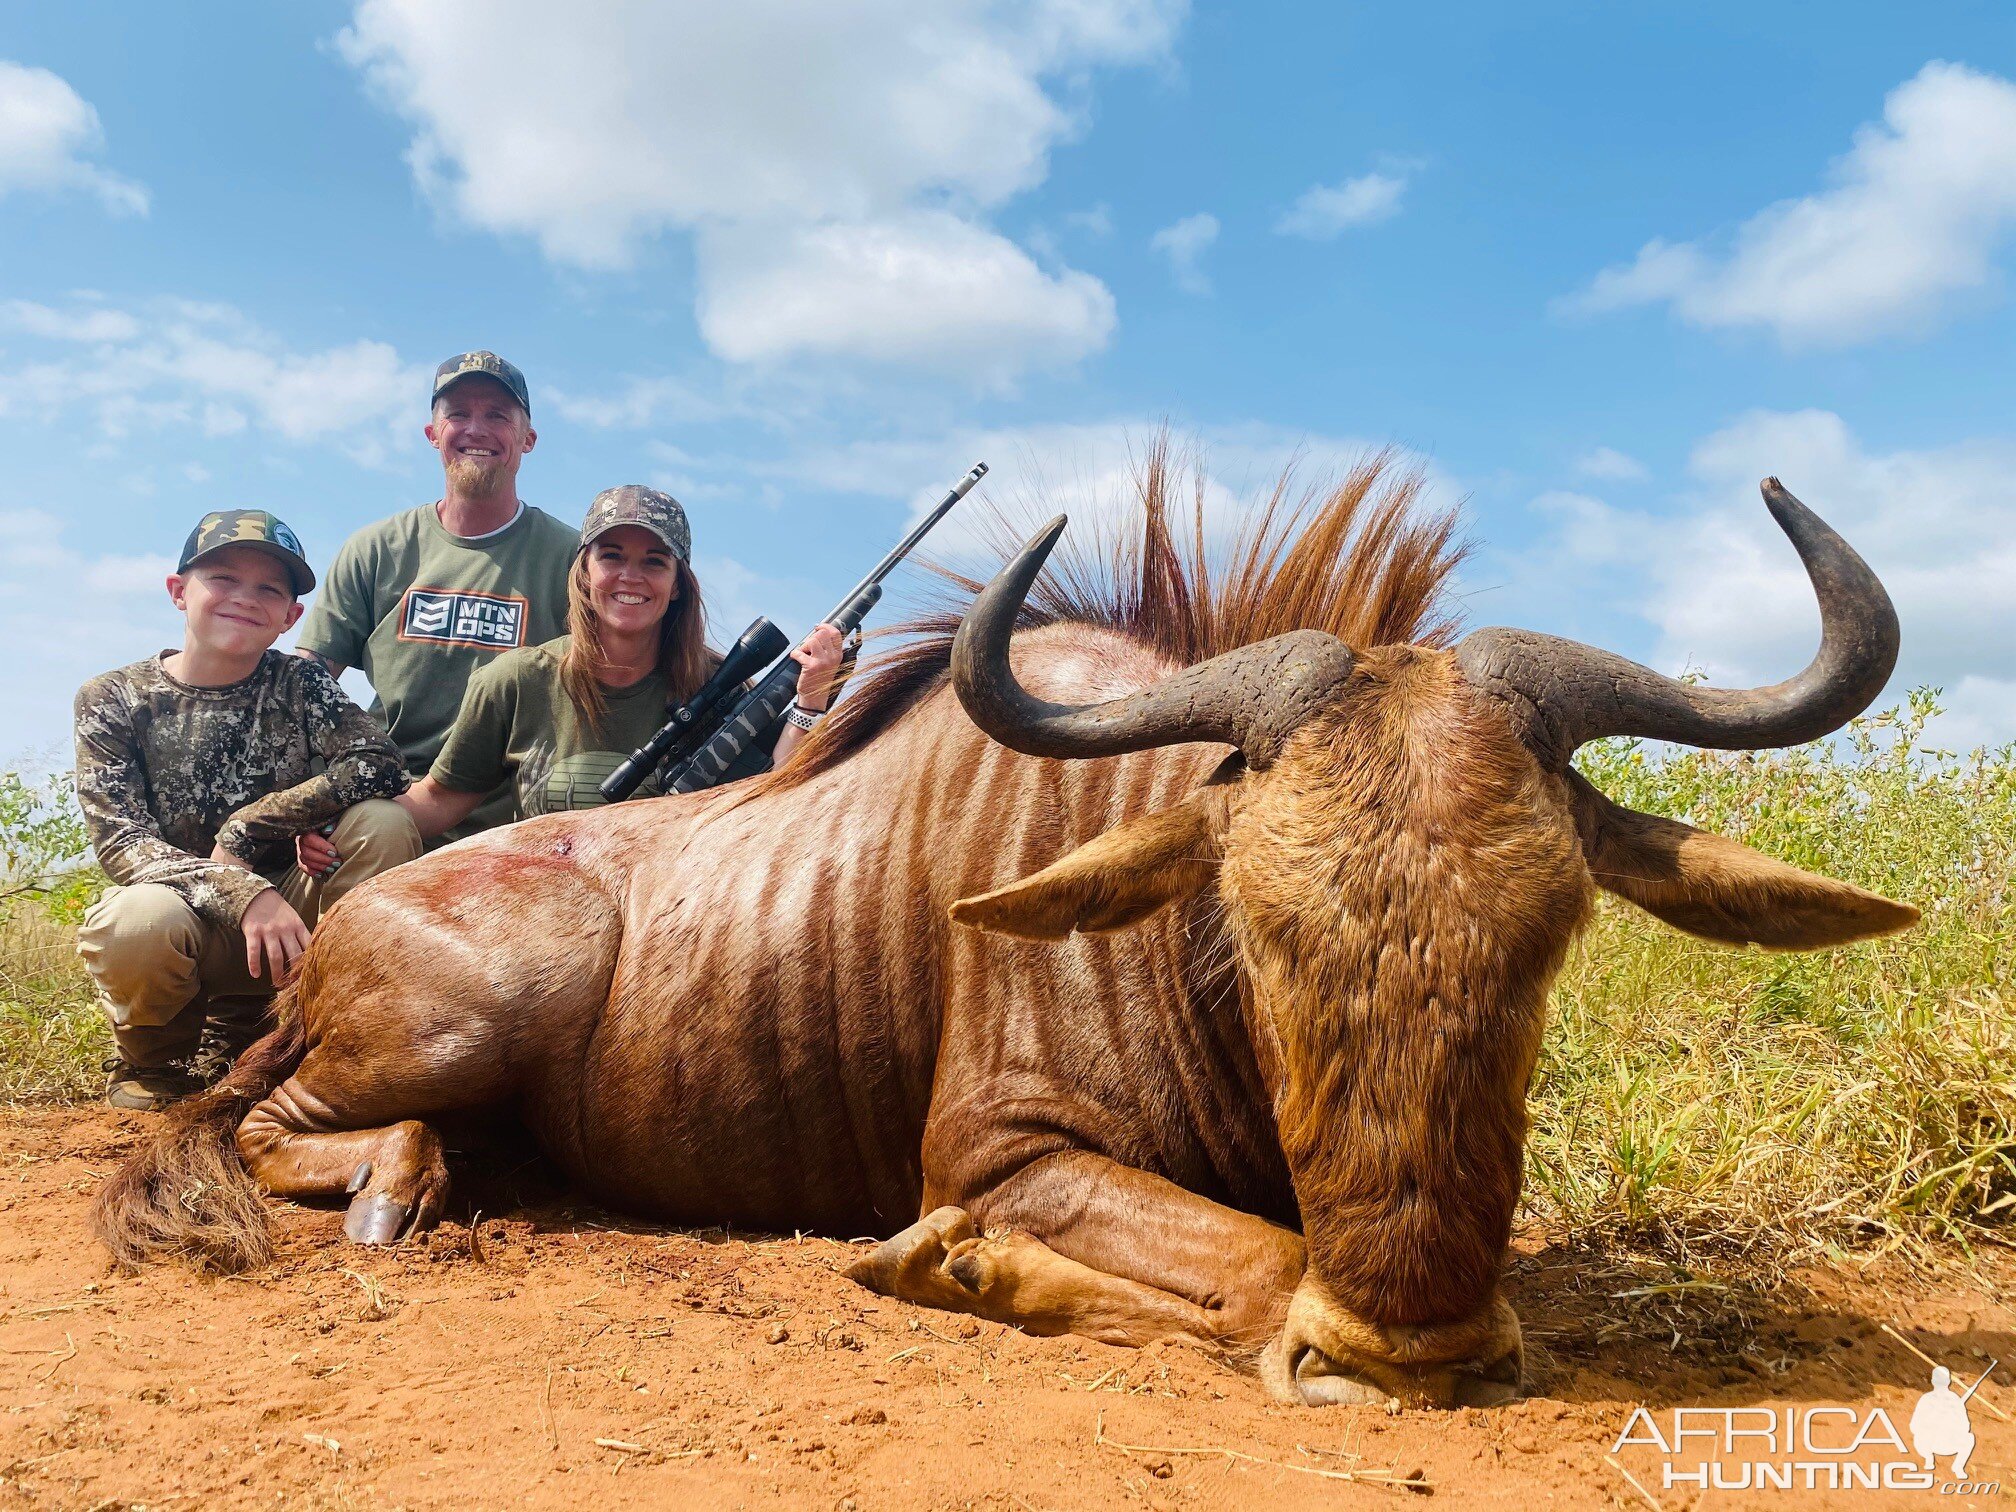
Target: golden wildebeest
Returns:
[1235, 1041]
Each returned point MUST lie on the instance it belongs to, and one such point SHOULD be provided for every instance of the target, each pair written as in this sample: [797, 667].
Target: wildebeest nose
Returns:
[1320, 1382]
[1494, 1385]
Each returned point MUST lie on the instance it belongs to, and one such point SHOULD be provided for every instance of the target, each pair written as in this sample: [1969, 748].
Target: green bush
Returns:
[52, 1037]
[1859, 1095]
[44, 855]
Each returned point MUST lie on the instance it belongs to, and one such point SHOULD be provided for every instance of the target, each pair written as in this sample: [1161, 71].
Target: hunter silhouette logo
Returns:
[444, 617]
[1814, 1448]
[1939, 1423]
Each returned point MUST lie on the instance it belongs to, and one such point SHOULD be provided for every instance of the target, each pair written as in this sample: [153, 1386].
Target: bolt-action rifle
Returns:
[700, 743]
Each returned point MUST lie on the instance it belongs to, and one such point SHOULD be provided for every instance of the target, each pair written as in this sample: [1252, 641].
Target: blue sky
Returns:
[1598, 267]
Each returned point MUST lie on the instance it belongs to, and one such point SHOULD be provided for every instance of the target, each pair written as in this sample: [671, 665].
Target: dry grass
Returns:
[53, 1039]
[1690, 1094]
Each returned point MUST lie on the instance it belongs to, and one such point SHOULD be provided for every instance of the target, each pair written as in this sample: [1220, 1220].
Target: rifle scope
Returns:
[758, 646]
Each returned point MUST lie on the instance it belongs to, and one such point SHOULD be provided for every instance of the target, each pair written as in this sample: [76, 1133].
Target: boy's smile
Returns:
[236, 602]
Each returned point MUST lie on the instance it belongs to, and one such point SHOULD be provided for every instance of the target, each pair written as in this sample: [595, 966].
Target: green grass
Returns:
[53, 1038]
[1854, 1097]
[1688, 1095]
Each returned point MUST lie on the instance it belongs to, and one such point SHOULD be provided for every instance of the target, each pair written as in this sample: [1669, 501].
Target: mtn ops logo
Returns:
[446, 617]
[1816, 1448]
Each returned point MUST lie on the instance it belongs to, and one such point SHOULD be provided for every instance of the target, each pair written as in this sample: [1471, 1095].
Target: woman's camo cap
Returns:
[634, 504]
[248, 527]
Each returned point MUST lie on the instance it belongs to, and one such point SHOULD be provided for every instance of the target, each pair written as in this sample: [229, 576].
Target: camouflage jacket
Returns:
[166, 771]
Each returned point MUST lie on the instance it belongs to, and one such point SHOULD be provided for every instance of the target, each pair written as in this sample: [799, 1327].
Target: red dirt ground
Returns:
[569, 1359]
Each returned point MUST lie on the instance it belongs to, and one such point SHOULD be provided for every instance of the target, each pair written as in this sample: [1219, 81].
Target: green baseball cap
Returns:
[248, 527]
[634, 504]
[482, 365]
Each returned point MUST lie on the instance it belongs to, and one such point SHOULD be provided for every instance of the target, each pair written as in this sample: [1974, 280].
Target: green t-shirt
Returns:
[518, 725]
[420, 611]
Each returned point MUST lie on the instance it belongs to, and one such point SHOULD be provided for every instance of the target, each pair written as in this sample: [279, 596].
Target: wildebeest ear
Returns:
[1113, 881]
[1714, 887]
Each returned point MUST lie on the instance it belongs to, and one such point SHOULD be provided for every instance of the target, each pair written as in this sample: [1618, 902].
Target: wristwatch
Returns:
[801, 718]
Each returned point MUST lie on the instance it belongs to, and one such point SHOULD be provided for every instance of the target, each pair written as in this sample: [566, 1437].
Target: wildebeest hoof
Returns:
[969, 1265]
[375, 1218]
[990, 1263]
[900, 1265]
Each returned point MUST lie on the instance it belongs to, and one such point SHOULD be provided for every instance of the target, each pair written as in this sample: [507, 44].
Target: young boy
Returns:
[195, 770]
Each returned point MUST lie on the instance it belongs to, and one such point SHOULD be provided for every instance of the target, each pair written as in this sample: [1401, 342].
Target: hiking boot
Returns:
[230, 1026]
[146, 1089]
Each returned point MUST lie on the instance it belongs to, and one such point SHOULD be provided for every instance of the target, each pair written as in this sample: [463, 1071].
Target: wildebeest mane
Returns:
[1361, 559]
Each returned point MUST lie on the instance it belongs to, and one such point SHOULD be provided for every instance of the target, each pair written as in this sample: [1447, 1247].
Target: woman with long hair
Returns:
[554, 720]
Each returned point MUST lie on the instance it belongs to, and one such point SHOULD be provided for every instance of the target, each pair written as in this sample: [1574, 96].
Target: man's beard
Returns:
[470, 475]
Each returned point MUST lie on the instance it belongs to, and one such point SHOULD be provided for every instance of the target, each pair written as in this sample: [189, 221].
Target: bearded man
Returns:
[421, 600]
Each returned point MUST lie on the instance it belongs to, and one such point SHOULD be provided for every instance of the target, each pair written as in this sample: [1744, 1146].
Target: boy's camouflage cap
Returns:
[634, 504]
[482, 365]
[248, 527]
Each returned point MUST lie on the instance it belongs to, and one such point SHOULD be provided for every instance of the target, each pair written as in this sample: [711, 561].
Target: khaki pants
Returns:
[151, 955]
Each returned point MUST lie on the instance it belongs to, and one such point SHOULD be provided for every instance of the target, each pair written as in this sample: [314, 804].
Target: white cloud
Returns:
[204, 366]
[1938, 526]
[1975, 712]
[597, 127]
[1608, 463]
[1324, 211]
[222, 420]
[1909, 224]
[1184, 244]
[924, 289]
[82, 614]
[1724, 593]
[735, 594]
[1085, 470]
[127, 574]
[82, 324]
[638, 404]
[1095, 222]
[48, 132]
[299, 395]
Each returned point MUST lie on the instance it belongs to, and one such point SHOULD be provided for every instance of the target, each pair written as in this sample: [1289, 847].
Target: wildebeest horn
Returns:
[1562, 693]
[1252, 698]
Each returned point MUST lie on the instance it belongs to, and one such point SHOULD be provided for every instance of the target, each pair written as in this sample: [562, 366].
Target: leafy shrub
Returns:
[52, 1036]
[44, 855]
[1846, 1096]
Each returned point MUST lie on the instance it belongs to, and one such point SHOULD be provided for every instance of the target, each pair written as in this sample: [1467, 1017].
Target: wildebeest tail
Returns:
[186, 1194]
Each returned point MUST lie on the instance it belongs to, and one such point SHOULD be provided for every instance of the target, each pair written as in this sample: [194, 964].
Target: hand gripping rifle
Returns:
[702, 746]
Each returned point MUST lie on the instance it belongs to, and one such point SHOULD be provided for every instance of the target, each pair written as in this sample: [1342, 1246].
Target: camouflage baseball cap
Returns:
[634, 504]
[248, 527]
[482, 365]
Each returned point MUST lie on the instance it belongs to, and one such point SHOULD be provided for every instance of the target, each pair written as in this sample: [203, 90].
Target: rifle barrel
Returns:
[758, 711]
[905, 546]
[1982, 1377]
